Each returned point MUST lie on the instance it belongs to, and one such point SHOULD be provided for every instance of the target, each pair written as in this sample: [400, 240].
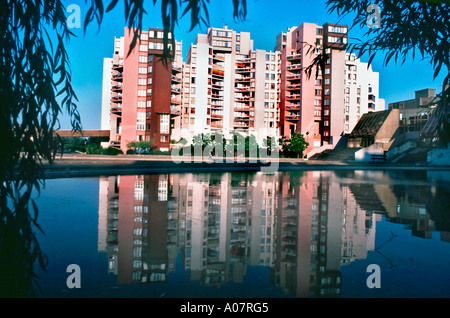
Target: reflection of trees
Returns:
[19, 247]
[438, 207]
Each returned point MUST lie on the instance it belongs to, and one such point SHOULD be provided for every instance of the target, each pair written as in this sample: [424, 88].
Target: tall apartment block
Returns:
[144, 90]
[325, 104]
[229, 86]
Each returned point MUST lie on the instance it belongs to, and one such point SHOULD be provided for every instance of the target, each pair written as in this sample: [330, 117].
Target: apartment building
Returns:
[229, 87]
[226, 86]
[144, 90]
[326, 103]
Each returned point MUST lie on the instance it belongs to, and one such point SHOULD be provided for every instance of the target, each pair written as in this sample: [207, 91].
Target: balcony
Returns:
[175, 90]
[294, 66]
[293, 117]
[117, 88]
[176, 69]
[293, 107]
[292, 77]
[116, 98]
[243, 70]
[117, 77]
[216, 116]
[238, 124]
[117, 110]
[218, 86]
[294, 96]
[218, 72]
[218, 57]
[217, 96]
[176, 79]
[242, 98]
[293, 57]
[175, 100]
[241, 108]
[118, 66]
[242, 78]
[175, 112]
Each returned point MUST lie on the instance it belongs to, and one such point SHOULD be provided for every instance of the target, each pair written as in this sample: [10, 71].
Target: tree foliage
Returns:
[295, 146]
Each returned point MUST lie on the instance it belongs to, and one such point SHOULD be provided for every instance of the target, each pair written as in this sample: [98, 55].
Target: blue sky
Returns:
[265, 19]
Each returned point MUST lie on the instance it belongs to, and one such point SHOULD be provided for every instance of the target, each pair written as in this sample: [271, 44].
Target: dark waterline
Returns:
[288, 234]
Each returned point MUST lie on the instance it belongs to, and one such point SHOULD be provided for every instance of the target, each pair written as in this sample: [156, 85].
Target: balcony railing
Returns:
[117, 88]
[294, 56]
[217, 96]
[294, 66]
[241, 108]
[176, 78]
[293, 76]
[116, 109]
[174, 100]
[243, 78]
[175, 90]
[175, 112]
[293, 107]
[243, 70]
[116, 98]
[292, 117]
[118, 77]
[176, 68]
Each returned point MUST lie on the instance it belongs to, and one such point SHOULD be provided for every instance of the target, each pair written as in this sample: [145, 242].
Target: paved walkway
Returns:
[93, 165]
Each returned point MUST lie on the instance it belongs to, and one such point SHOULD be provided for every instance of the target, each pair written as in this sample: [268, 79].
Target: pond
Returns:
[296, 234]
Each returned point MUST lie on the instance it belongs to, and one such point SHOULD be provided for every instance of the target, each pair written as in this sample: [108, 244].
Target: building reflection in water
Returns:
[303, 226]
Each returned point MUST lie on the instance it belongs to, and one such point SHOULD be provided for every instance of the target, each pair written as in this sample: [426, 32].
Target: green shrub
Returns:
[112, 151]
[93, 149]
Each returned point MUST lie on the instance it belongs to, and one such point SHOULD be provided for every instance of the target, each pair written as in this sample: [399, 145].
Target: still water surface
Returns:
[287, 234]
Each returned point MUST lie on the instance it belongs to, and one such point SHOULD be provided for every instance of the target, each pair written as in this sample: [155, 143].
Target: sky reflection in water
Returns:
[289, 234]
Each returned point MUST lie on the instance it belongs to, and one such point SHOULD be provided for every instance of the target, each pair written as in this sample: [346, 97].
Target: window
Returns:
[142, 58]
[140, 121]
[150, 69]
[165, 123]
[144, 36]
[141, 92]
[142, 70]
[142, 81]
[155, 46]
[143, 48]
[335, 29]
[141, 104]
